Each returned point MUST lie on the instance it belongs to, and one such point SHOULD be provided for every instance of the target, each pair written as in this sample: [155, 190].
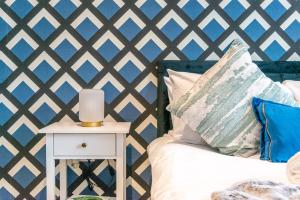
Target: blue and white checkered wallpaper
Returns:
[49, 50]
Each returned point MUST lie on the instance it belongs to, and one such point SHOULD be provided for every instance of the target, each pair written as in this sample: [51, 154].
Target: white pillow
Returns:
[181, 82]
[294, 87]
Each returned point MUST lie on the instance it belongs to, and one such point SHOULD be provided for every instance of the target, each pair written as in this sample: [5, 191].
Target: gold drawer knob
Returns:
[84, 145]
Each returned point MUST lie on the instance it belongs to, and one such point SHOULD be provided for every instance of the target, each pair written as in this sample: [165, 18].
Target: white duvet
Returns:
[187, 172]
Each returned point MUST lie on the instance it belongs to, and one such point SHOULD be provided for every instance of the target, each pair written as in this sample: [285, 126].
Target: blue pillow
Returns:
[280, 134]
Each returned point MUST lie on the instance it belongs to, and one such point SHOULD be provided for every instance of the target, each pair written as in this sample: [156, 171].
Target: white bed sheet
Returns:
[189, 172]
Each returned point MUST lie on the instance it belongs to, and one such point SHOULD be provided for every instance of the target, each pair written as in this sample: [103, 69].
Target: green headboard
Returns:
[277, 71]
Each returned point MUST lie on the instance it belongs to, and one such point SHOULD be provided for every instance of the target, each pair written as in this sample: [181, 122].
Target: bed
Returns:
[185, 171]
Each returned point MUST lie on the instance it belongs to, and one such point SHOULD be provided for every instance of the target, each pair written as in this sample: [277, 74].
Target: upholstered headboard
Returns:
[277, 71]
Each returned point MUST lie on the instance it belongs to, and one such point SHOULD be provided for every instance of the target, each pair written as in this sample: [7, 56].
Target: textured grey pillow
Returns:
[218, 107]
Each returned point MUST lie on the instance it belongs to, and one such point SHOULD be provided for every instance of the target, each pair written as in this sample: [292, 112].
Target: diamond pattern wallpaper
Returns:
[51, 49]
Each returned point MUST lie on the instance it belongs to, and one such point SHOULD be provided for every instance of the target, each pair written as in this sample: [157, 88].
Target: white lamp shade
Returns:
[91, 105]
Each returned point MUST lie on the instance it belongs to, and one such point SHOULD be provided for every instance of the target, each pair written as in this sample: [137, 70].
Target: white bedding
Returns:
[187, 172]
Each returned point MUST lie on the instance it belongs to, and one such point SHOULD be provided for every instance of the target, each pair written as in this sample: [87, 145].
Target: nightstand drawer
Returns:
[69, 144]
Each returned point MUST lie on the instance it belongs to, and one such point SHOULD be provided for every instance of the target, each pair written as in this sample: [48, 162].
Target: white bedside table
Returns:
[71, 141]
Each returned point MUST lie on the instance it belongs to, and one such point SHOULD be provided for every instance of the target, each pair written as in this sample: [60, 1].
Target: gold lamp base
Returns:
[92, 124]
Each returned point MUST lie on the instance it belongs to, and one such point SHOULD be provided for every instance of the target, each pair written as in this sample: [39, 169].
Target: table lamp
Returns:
[91, 107]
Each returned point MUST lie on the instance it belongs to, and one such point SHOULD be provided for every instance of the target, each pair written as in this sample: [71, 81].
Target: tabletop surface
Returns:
[75, 127]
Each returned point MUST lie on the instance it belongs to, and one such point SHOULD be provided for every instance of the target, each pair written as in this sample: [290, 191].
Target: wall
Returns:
[49, 50]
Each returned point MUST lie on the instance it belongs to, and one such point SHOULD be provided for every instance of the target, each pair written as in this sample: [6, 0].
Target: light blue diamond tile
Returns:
[23, 135]
[5, 29]
[44, 114]
[5, 71]
[129, 113]
[150, 50]
[213, 30]
[65, 50]
[129, 71]
[274, 51]
[6, 156]
[192, 50]
[110, 92]
[65, 8]
[5, 195]
[108, 8]
[108, 50]
[22, 50]
[149, 92]
[23, 92]
[275, 10]
[150, 8]
[149, 133]
[44, 71]
[172, 29]
[193, 9]
[293, 31]
[132, 155]
[44, 28]
[87, 71]
[66, 92]
[254, 30]
[21, 7]
[87, 29]
[234, 9]
[129, 29]
[24, 177]
[6, 114]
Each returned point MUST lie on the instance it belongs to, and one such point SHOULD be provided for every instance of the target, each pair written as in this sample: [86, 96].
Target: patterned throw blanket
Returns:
[259, 190]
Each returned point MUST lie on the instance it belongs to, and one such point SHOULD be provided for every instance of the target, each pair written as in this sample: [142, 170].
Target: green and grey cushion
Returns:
[218, 107]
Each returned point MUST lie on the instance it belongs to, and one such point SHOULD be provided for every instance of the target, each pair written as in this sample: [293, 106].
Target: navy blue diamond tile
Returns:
[132, 155]
[23, 92]
[274, 51]
[65, 8]
[6, 114]
[213, 30]
[108, 8]
[66, 92]
[87, 71]
[129, 113]
[129, 29]
[23, 135]
[6, 156]
[149, 92]
[5, 29]
[293, 31]
[107, 178]
[87, 29]
[275, 10]
[72, 176]
[150, 8]
[110, 92]
[22, 50]
[234, 9]
[149, 133]
[42, 194]
[172, 29]
[192, 50]
[193, 9]
[129, 71]
[146, 175]
[41, 156]
[6, 195]
[44, 71]
[132, 194]
[65, 50]
[24, 177]
[151, 50]
[44, 114]
[44, 28]
[254, 30]
[21, 7]
[5, 71]
[108, 50]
